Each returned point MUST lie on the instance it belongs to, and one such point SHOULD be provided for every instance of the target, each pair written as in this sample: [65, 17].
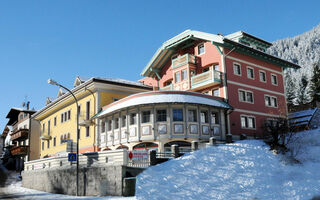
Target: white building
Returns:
[158, 119]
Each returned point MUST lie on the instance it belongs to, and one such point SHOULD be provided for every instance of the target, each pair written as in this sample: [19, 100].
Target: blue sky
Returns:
[62, 39]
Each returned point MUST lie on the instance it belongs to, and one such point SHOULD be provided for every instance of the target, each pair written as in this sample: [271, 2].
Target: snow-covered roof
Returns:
[302, 117]
[302, 113]
[163, 97]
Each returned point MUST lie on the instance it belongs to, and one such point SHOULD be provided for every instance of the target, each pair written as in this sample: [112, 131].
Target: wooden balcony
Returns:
[20, 134]
[183, 60]
[167, 88]
[19, 150]
[206, 79]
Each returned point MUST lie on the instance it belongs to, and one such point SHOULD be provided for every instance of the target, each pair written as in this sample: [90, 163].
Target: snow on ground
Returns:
[242, 170]
[14, 190]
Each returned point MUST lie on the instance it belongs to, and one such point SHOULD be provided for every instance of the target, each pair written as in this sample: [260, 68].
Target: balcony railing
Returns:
[206, 79]
[45, 136]
[168, 87]
[85, 119]
[183, 60]
[19, 150]
[20, 134]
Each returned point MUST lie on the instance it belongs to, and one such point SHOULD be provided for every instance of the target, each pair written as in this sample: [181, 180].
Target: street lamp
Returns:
[52, 82]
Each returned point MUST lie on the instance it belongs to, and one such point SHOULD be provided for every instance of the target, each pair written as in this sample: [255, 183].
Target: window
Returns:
[214, 118]
[192, 115]
[55, 121]
[206, 69]
[262, 75]
[124, 121]
[146, 116]
[270, 101]
[216, 93]
[43, 127]
[48, 144]
[79, 110]
[69, 114]
[274, 79]
[246, 96]
[237, 69]
[177, 114]
[109, 125]
[161, 115]
[174, 56]
[65, 116]
[216, 67]
[21, 117]
[204, 116]
[49, 127]
[184, 74]
[103, 126]
[248, 122]
[42, 146]
[116, 123]
[61, 117]
[61, 138]
[169, 82]
[88, 110]
[87, 131]
[250, 73]
[54, 141]
[133, 118]
[201, 49]
[177, 77]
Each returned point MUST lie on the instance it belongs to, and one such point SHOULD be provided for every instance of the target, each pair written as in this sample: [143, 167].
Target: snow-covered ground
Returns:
[242, 170]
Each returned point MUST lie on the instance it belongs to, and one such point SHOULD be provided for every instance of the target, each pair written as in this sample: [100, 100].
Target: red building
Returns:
[235, 67]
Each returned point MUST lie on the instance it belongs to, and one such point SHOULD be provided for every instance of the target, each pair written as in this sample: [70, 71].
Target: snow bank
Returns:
[242, 170]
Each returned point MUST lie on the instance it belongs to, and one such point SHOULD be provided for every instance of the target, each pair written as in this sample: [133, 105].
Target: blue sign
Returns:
[72, 157]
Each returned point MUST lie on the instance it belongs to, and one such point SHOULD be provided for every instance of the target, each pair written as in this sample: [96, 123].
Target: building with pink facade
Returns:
[235, 67]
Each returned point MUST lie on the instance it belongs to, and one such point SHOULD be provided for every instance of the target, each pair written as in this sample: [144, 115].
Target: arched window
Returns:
[145, 146]
[123, 147]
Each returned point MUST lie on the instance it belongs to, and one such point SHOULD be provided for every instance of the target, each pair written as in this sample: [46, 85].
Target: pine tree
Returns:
[302, 94]
[315, 83]
[290, 88]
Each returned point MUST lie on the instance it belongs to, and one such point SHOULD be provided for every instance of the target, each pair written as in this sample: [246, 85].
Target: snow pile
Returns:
[242, 170]
[306, 147]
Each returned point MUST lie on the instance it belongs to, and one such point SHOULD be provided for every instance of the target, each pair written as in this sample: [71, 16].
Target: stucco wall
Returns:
[93, 181]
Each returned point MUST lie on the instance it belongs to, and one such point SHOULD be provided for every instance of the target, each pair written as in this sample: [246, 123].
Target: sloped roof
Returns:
[302, 117]
[163, 97]
[13, 114]
[111, 81]
[167, 49]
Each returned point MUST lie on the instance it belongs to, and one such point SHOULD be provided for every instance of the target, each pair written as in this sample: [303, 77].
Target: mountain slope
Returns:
[303, 49]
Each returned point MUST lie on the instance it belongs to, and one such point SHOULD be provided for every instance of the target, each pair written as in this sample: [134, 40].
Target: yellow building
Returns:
[58, 118]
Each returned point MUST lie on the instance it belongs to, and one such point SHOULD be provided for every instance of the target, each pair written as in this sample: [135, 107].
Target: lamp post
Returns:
[52, 82]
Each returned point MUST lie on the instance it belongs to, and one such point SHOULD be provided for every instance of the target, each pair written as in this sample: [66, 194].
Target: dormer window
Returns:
[201, 49]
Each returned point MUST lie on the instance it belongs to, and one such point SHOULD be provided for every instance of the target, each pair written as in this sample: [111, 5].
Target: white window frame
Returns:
[272, 98]
[274, 75]
[248, 116]
[175, 77]
[234, 71]
[204, 49]
[182, 73]
[150, 116]
[245, 96]
[248, 67]
[265, 75]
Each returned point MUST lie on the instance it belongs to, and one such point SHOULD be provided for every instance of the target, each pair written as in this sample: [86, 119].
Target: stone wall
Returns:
[93, 181]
